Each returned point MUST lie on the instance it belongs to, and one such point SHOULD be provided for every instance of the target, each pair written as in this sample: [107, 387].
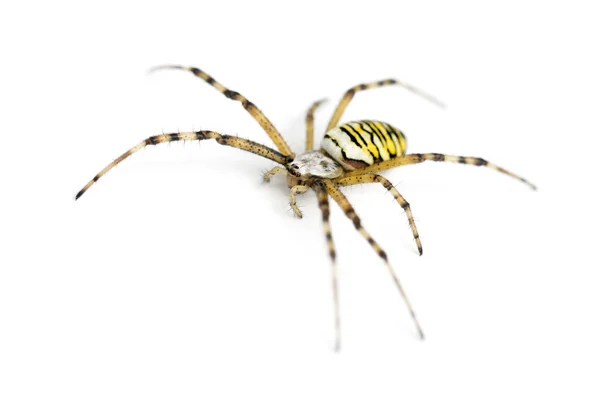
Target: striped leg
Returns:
[227, 140]
[252, 109]
[419, 158]
[345, 205]
[370, 178]
[310, 124]
[297, 189]
[337, 114]
[323, 199]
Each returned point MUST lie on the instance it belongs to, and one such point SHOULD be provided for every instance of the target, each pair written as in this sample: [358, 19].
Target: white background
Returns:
[180, 278]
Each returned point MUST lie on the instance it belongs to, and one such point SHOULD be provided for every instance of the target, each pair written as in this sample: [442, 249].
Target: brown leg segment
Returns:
[310, 124]
[345, 205]
[226, 140]
[323, 199]
[419, 158]
[252, 109]
[370, 178]
[337, 115]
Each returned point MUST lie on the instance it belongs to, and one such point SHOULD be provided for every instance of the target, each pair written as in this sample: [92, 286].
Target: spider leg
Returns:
[274, 171]
[323, 199]
[310, 124]
[371, 178]
[226, 140]
[419, 158]
[297, 189]
[252, 109]
[341, 107]
[345, 205]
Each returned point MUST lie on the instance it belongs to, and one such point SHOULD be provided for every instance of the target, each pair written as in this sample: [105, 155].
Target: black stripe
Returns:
[346, 158]
[367, 129]
[357, 136]
[350, 135]
[371, 124]
[394, 134]
[231, 94]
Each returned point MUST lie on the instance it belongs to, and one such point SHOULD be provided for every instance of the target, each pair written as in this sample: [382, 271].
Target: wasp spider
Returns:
[352, 153]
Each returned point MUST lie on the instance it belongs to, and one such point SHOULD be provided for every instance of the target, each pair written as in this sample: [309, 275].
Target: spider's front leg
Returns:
[226, 140]
[297, 189]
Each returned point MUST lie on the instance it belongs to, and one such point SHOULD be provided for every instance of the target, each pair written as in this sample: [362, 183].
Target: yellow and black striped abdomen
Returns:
[361, 143]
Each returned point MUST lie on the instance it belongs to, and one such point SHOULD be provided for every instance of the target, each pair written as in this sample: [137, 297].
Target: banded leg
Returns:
[252, 109]
[419, 158]
[297, 189]
[274, 171]
[370, 178]
[337, 114]
[323, 199]
[226, 140]
[345, 205]
[310, 124]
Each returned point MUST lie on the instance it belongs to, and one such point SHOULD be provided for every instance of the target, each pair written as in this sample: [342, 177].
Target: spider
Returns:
[352, 153]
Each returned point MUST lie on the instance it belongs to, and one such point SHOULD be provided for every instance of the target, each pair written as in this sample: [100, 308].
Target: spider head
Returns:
[314, 164]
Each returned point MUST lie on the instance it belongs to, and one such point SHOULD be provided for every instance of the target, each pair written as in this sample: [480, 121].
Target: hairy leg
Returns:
[371, 178]
[323, 199]
[343, 104]
[310, 124]
[226, 140]
[420, 158]
[252, 109]
[345, 205]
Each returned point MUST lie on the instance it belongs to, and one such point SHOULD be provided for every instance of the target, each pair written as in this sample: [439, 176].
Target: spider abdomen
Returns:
[360, 144]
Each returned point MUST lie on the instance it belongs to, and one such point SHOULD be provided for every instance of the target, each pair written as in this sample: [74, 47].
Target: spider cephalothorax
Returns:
[352, 153]
[314, 164]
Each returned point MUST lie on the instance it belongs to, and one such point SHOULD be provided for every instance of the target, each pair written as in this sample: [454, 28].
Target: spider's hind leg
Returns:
[420, 158]
[343, 104]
